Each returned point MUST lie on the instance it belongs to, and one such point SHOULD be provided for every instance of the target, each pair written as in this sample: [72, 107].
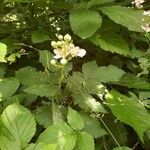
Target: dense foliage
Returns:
[74, 74]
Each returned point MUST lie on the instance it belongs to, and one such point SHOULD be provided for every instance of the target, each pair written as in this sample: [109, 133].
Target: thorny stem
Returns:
[110, 132]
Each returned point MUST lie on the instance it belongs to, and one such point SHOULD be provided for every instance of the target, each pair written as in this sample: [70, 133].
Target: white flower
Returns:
[53, 44]
[146, 13]
[53, 61]
[63, 61]
[57, 54]
[67, 38]
[138, 3]
[60, 37]
[81, 53]
[146, 27]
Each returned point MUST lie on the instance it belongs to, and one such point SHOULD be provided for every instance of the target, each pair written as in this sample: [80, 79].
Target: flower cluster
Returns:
[138, 3]
[146, 26]
[65, 50]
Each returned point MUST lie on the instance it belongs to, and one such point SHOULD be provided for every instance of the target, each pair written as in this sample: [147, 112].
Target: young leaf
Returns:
[85, 22]
[17, 125]
[3, 52]
[84, 141]
[128, 17]
[117, 44]
[60, 134]
[8, 86]
[38, 37]
[75, 120]
[129, 111]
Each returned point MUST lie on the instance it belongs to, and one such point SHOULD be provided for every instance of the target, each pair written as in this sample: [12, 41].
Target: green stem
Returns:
[62, 76]
[110, 132]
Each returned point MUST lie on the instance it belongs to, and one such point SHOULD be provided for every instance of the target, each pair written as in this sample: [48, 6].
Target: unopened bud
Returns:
[60, 37]
[67, 38]
[53, 44]
[63, 61]
[53, 61]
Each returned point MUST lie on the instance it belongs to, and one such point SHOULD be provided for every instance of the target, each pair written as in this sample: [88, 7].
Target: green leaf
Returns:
[129, 111]
[41, 146]
[60, 134]
[97, 3]
[43, 115]
[8, 86]
[102, 74]
[17, 125]
[84, 141]
[20, 1]
[122, 148]
[131, 81]
[43, 90]
[85, 22]
[2, 70]
[38, 37]
[45, 58]
[30, 76]
[3, 52]
[92, 126]
[117, 44]
[75, 120]
[128, 17]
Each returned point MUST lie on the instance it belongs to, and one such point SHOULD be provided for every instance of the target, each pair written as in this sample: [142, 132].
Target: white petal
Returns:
[81, 53]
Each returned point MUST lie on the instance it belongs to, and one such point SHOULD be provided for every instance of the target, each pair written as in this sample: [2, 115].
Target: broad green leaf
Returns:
[43, 90]
[6, 144]
[111, 42]
[38, 37]
[2, 70]
[3, 52]
[60, 134]
[58, 113]
[128, 17]
[8, 86]
[17, 125]
[97, 3]
[20, 1]
[144, 95]
[87, 102]
[131, 81]
[41, 146]
[129, 111]
[102, 74]
[84, 141]
[85, 22]
[43, 115]
[75, 120]
[92, 126]
[30, 76]
[122, 148]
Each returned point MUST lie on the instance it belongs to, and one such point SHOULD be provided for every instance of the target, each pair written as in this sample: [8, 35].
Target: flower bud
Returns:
[53, 61]
[67, 38]
[58, 43]
[63, 61]
[60, 37]
[71, 45]
[53, 44]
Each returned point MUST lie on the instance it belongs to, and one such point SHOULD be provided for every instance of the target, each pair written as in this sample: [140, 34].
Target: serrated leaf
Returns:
[3, 52]
[30, 76]
[85, 22]
[102, 74]
[74, 119]
[61, 135]
[8, 86]
[131, 81]
[128, 17]
[84, 141]
[92, 126]
[17, 125]
[43, 90]
[43, 115]
[129, 111]
[117, 44]
[38, 37]
[97, 3]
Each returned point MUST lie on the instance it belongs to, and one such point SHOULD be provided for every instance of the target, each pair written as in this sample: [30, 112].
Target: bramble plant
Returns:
[74, 75]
